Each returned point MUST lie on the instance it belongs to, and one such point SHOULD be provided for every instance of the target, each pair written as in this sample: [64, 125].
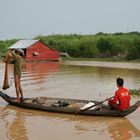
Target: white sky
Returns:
[29, 18]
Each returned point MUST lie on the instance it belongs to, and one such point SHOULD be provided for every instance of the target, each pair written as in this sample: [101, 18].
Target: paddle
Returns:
[81, 110]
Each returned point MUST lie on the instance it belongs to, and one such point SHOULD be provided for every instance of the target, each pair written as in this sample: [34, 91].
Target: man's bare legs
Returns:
[19, 91]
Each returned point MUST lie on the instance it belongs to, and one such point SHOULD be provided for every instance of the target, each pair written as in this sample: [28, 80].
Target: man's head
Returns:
[20, 51]
[119, 82]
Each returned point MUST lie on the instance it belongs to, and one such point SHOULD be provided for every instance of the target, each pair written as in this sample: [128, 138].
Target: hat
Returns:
[20, 51]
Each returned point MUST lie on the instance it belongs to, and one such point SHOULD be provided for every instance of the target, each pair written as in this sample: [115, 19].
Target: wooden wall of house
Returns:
[39, 51]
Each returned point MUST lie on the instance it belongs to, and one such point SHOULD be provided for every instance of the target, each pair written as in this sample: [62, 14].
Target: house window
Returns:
[35, 53]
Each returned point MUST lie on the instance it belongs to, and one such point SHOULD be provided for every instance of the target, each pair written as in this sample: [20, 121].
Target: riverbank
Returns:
[125, 65]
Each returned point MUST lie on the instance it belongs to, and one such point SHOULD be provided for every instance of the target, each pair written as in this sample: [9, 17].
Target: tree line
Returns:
[117, 46]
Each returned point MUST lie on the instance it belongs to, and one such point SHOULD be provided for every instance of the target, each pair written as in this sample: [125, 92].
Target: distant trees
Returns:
[4, 45]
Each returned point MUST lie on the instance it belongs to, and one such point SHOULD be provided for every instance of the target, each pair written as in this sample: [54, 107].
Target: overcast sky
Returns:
[25, 19]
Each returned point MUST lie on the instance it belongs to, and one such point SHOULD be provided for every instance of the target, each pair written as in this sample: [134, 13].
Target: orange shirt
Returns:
[122, 98]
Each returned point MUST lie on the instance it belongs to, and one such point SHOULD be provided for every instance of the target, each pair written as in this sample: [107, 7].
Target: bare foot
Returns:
[21, 99]
[16, 100]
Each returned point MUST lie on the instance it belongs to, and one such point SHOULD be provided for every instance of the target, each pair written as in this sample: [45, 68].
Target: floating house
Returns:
[36, 50]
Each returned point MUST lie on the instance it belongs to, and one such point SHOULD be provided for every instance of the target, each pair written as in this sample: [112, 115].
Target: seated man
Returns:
[122, 97]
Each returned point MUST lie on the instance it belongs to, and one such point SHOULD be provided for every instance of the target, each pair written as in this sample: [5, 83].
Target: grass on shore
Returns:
[135, 92]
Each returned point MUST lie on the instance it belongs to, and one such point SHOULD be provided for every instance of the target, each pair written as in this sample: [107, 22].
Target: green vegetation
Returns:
[113, 47]
[4, 45]
[135, 91]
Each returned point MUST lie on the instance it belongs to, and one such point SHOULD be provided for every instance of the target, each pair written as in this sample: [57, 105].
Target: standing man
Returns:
[17, 71]
[122, 97]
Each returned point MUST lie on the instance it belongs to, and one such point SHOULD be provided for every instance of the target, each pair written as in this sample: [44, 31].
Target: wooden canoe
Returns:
[71, 106]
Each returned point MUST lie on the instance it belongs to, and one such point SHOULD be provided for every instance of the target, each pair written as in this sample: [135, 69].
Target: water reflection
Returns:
[118, 129]
[123, 130]
[17, 128]
[41, 67]
[37, 71]
[14, 124]
[19, 124]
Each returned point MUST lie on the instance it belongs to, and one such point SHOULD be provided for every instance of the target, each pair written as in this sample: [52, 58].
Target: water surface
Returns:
[68, 81]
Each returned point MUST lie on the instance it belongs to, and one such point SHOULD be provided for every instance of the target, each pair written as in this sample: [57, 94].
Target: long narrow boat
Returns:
[71, 106]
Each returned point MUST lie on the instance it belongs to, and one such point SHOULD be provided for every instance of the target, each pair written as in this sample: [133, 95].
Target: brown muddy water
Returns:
[68, 80]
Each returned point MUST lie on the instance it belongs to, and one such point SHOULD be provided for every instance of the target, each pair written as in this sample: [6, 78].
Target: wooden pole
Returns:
[81, 110]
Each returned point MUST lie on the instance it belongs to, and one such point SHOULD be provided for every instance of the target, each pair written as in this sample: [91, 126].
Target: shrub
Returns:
[134, 50]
